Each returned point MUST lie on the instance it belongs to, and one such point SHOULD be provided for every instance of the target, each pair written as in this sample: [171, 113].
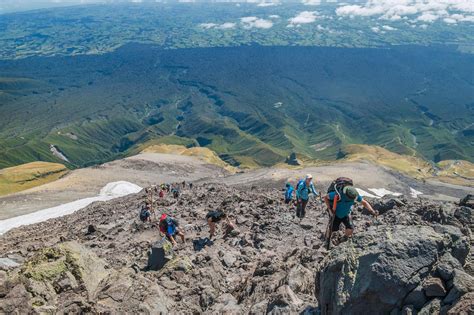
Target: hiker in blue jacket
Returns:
[303, 189]
[341, 207]
[289, 193]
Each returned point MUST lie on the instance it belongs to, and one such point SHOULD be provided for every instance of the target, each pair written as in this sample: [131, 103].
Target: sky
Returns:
[425, 11]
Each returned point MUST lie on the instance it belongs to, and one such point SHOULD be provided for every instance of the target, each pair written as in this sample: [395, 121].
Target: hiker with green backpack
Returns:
[303, 189]
[339, 201]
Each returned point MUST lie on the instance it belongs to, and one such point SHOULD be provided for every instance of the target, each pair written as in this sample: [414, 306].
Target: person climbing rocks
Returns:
[340, 204]
[175, 192]
[216, 216]
[145, 214]
[184, 184]
[170, 228]
[190, 186]
[288, 193]
[162, 193]
[303, 189]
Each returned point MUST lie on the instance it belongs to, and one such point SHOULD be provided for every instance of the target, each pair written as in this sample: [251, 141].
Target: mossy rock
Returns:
[53, 263]
[179, 263]
[47, 264]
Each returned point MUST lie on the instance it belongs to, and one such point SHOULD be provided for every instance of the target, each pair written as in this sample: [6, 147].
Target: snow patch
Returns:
[383, 192]
[364, 193]
[414, 193]
[110, 191]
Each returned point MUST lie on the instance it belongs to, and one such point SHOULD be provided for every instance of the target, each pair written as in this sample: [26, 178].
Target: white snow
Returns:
[383, 192]
[110, 191]
[364, 193]
[414, 193]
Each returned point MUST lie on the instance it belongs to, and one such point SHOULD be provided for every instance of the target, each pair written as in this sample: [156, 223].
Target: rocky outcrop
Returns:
[292, 159]
[386, 270]
[414, 258]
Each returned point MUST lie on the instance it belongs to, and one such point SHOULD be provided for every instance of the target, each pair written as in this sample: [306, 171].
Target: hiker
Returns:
[303, 189]
[175, 192]
[162, 193]
[190, 186]
[340, 205]
[145, 214]
[184, 184]
[289, 193]
[214, 217]
[170, 227]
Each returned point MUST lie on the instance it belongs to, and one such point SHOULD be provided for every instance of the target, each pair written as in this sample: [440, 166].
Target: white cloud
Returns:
[208, 25]
[375, 29]
[450, 20]
[388, 28]
[422, 10]
[266, 4]
[274, 16]
[227, 25]
[428, 17]
[249, 22]
[304, 17]
[311, 2]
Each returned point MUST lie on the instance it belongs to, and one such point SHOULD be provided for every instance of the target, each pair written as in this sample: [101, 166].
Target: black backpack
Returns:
[144, 214]
[338, 185]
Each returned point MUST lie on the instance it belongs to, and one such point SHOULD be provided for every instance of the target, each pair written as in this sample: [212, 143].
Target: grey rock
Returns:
[434, 287]
[433, 307]
[375, 271]
[465, 305]
[408, 310]
[446, 266]
[7, 263]
[300, 280]
[228, 260]
[417, 298]
[462, 283]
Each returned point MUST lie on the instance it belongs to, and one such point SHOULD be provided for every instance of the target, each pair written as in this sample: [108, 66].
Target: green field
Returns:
[252, 105]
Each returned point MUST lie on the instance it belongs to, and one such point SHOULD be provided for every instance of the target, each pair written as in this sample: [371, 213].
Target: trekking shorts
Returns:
[215, 216]
[347, 221]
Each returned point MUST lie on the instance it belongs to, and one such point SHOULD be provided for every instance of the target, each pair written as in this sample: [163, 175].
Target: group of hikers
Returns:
[339, 200]
[169, 226]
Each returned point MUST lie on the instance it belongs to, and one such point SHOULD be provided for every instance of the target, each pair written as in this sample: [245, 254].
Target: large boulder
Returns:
[161, 252]
[374, 272]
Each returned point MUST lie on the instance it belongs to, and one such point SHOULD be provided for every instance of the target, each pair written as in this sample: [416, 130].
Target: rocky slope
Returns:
[414, 258]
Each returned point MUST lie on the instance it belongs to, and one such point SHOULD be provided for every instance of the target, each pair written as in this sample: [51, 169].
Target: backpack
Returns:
[172, 221]
[337, 186]
[144, 214]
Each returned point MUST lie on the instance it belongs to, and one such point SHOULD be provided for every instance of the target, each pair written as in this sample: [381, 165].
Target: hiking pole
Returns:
[329, 229]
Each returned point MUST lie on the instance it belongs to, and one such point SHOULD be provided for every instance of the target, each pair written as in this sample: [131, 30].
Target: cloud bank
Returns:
[249, 22]
[451, 11]
[304, 17]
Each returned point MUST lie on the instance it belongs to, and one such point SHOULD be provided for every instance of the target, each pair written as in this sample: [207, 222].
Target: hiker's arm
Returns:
[173, 240]
[326, 201]
[367, 205]
[313, 190]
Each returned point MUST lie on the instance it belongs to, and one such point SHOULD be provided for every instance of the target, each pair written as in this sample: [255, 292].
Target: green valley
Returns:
[253, 105]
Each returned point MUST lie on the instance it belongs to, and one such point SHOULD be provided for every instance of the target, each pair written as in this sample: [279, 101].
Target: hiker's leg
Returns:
[303, 208]
[348, 225]
[298, 207]
[181, 235]
[335, 224]
[212, 227]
